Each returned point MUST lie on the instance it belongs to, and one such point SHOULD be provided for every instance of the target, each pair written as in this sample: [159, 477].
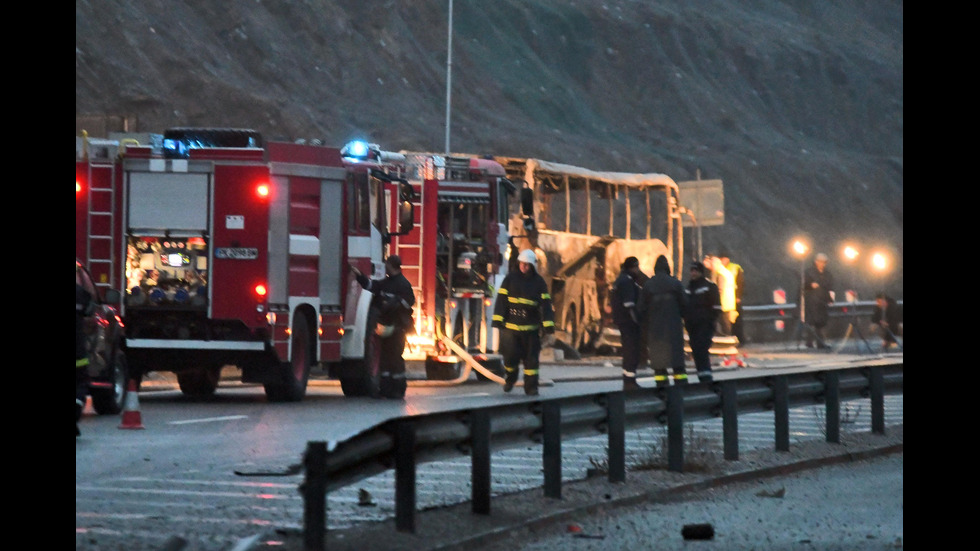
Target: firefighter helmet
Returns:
[527, 255]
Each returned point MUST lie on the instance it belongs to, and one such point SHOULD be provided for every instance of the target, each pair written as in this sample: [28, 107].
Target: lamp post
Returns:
[449, 74]
[800, 248]
[850, 253]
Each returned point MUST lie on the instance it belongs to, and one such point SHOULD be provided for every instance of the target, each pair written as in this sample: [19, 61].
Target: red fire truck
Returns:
[221, 249]
[459, 256]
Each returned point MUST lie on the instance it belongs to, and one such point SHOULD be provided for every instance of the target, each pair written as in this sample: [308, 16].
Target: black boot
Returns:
[531, 385]
[510, 378]
[629, 383]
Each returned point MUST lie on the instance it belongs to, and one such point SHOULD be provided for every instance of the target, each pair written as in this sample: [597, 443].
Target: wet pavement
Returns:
[595, 502]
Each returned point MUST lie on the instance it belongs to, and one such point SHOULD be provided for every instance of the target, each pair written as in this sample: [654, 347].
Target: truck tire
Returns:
[199, 383]
[295, 373]
[359, 380]
[357, 386]
[110, 401]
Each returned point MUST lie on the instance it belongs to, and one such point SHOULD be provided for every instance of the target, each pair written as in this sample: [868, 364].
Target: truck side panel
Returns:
[332, 266]
[241, 223]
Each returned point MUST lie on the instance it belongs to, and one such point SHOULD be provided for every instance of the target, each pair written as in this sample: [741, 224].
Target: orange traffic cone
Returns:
[131, 418]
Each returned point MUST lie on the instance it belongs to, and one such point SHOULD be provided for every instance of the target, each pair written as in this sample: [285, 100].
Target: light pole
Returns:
[850, 254]
[800, 248]
[449, 74]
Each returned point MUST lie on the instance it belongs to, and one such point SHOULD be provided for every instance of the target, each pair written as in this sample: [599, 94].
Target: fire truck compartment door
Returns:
[168, 201]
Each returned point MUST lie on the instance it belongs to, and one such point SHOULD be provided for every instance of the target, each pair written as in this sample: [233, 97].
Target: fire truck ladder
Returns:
[100, 249]
[417, 289]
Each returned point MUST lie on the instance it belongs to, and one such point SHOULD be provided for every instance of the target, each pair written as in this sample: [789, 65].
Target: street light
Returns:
[850, 253]
[449, 74]
[800, 248]
[879, 262]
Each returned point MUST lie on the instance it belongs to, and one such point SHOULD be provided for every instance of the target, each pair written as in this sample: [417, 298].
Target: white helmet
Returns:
[527, 255]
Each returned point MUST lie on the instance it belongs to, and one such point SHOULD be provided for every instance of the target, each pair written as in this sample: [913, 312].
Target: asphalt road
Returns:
[177, 476]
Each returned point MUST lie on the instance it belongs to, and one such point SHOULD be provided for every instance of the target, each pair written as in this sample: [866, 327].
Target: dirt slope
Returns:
[796, 105]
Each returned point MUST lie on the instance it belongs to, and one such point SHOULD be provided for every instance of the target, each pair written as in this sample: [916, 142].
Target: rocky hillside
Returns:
[796, 105]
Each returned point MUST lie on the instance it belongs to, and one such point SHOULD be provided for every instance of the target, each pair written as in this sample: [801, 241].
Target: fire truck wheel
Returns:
[199, 383]
[295, 374]
[360, 379]
[110, 401]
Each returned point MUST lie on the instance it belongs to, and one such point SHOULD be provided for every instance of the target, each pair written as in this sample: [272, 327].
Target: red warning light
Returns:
[78, 186]
[262, 190]
[260, 290]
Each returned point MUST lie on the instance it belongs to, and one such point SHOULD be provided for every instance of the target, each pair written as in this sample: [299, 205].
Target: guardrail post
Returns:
[877, 380]
[781, 412]
[480, 470]
[616, 422]
[675, 429]
[551, 427]
[404, 451]
[314, 491]
[832, 401]
[729, 419]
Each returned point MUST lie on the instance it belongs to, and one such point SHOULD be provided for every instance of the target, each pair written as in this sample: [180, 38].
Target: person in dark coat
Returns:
[522, 311]
[626, 292]
[886, 319]
[84, 305]
[661, 307]
[703, 309]
[818, 284]
[391, 305]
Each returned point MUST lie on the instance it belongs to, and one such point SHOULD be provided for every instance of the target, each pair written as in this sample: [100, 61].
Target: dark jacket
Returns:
[626, 293]
[662, 304]
[524, 303]
[392, 301]
[704, 301]
[817, 300]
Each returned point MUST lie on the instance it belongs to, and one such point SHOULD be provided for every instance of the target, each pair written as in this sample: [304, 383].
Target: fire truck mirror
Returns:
[527, 201]
[406, 217]
[405, 191]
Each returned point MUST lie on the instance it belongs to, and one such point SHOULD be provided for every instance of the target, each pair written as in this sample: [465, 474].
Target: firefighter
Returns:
[626, 291]
[522, 311]
[662, 304]
[84, 305]
[738, 326]
[703, 309]
[392, 306]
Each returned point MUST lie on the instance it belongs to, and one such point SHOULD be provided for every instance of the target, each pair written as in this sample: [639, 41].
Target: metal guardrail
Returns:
[760, 320]
[402, 443]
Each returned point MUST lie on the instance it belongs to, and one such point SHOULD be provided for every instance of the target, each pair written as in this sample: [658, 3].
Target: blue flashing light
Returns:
[356, 149]
[175, 148]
